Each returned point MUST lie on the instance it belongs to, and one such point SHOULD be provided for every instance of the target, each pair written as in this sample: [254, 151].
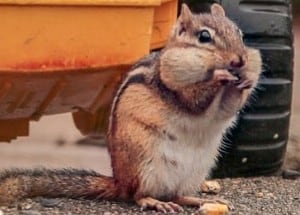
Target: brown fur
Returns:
[166, 122]
[16, 184]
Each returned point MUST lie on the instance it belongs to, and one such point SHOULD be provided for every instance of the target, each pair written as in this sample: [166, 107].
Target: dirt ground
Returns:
[255, 196]
[51, 144]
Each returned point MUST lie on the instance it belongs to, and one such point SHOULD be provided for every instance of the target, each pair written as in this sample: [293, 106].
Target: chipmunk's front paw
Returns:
[165, 207]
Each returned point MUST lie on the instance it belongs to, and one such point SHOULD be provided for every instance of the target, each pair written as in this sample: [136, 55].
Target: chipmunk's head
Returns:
[208, 48]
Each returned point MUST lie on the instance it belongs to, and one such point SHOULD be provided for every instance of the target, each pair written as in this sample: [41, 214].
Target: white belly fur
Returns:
[194, 151]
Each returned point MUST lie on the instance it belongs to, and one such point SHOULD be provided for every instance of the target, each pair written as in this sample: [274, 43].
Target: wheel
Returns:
[256, 146]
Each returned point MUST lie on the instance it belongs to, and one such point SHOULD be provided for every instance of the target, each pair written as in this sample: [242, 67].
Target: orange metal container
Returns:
[67, 55]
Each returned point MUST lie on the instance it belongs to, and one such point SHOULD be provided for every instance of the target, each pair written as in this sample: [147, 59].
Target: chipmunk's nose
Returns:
[237, 62]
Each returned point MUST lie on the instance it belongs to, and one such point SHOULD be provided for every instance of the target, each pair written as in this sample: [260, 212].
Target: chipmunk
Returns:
[166, 122]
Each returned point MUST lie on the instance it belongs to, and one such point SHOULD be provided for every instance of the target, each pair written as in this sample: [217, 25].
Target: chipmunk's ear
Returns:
[184, 19]
[186, 13]
[217, 9]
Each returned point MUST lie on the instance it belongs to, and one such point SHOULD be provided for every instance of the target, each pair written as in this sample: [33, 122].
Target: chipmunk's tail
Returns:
[17, 184]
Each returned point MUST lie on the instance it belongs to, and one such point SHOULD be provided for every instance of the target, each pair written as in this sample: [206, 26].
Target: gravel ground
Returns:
[262, 195]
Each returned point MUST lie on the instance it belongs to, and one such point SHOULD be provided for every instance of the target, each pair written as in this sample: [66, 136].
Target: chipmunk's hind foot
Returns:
[165, 207]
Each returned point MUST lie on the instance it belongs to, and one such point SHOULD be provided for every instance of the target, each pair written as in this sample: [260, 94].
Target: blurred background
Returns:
[54, 141]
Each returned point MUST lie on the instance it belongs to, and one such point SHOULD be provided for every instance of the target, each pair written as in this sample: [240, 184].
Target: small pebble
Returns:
[28, 206]
[212, 187]
[213, 209]
[47, 202]
[259, 194]
[29, 212]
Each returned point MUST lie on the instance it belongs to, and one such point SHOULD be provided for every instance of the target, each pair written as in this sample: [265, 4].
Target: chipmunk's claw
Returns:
[243, 84]
[224, 76]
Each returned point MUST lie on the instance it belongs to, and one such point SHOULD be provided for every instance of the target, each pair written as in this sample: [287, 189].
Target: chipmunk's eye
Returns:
[204, 36]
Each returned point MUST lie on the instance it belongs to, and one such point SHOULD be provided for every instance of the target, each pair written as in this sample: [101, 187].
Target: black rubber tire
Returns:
[257, 144]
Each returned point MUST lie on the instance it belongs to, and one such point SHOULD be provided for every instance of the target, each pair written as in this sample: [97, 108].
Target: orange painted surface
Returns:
[164, 18]
[61, 55]
[86, 2]
[64, 36]
[56, 64]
